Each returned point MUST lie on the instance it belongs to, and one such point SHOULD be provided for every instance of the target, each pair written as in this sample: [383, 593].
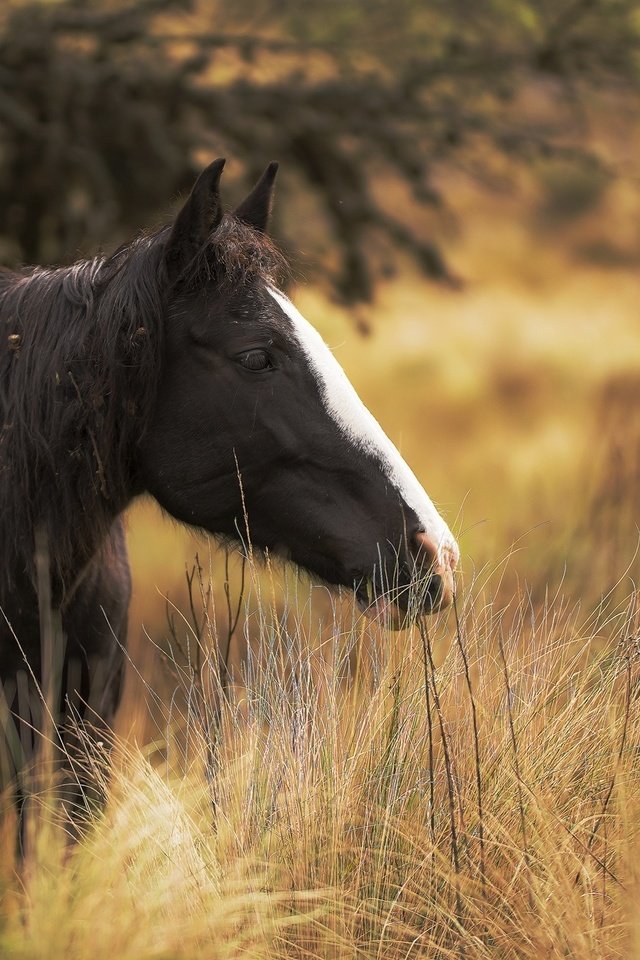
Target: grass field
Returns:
[469, 789]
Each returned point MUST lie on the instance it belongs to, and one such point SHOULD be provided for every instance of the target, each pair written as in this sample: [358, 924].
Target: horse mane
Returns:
[81, 354]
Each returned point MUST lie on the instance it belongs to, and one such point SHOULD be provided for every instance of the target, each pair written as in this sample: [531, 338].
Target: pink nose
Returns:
[438, 562]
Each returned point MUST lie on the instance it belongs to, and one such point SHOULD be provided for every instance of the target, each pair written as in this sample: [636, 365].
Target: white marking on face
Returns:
[349, 412]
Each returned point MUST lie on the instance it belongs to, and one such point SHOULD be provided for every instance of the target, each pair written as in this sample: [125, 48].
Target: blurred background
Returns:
[459, 198]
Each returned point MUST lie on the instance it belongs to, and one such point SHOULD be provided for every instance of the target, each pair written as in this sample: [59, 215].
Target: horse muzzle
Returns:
[435, 564]
[431, 585]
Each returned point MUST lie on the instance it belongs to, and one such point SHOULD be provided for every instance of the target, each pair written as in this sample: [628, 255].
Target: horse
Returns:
[178, 367]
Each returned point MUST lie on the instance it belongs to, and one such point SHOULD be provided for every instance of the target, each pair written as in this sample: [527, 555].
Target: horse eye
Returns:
[255, 360]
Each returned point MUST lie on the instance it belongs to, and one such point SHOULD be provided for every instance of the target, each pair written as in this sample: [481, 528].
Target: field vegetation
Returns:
[288, 780]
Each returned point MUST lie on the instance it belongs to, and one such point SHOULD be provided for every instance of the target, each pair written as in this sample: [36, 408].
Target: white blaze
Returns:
[349, 412]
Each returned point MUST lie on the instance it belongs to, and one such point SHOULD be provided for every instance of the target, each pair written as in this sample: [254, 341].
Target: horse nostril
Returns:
[430, 554]
[425, 551]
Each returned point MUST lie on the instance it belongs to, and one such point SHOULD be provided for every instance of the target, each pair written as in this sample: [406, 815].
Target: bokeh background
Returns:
[459, 198]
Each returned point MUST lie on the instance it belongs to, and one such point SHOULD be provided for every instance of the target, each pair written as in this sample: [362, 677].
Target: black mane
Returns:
[81, 351]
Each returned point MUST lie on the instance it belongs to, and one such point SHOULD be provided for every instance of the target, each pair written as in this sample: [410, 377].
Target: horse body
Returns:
[177, 367]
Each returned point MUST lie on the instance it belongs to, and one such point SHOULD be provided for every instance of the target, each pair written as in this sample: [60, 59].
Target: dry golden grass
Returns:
[334, 801]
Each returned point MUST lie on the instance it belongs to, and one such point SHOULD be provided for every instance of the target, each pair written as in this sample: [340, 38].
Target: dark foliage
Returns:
[103, 107]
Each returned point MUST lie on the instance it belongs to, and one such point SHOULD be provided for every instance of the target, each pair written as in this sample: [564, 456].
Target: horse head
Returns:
[258, 435]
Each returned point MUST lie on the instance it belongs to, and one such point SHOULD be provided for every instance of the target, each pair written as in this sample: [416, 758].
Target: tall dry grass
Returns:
[466, 788]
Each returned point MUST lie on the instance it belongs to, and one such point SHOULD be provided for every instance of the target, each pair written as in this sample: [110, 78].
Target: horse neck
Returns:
[78, 371]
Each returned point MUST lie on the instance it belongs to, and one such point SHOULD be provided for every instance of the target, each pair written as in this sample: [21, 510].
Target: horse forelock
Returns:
[234, 254]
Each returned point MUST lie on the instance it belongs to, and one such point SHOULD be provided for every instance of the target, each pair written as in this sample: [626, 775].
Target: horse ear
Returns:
[200, 215]
[255, 210]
